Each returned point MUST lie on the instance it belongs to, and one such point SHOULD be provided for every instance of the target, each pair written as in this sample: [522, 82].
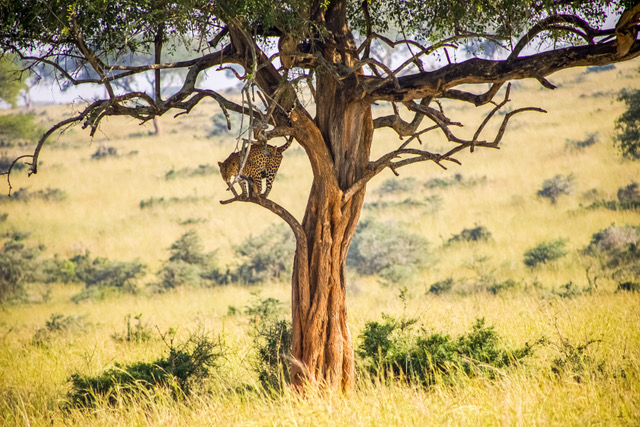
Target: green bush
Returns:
[628, 125]
[18, 127]
[545, 252]
[629, 193]
[476, 234]
[498, 288]
[184, 367]
[397, 274]
[396, 185]
[57, 270]
[556, 186]
[25, 195]
[628, 287]
[617, 249]
[18, 264]
[378, 246]
[576, 145]
[272, 339]
[57, 325]
[201, 170]
[219, 125]
[442, 286]
[116, 274]
[188, 264]
[392, 348]
[268, 256]
[569, 290]
[5, 164]
[138, 333]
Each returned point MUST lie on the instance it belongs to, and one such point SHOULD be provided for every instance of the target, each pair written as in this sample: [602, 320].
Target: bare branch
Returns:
[442, 123]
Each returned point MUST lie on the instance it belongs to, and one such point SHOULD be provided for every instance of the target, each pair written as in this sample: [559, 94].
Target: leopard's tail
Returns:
[285, 146]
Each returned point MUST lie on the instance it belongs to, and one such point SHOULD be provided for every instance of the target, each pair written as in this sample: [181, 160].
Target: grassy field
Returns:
[591, 332]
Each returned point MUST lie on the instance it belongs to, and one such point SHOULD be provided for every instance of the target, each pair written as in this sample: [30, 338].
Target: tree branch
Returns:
[442, 123]
[479, 71]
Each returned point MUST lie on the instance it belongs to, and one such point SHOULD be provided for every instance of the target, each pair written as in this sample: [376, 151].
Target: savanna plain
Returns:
[529, 248]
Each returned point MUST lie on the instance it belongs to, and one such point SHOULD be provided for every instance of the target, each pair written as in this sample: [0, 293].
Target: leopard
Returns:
[263, 162]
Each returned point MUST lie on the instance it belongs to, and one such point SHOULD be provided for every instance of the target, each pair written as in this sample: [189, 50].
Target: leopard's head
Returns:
[229, 168]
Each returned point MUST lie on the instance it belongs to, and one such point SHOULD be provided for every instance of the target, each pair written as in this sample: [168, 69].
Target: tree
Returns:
[11, 80]
[326, 48]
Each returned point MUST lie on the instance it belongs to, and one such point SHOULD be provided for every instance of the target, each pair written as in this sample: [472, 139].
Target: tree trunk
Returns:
[322, 345]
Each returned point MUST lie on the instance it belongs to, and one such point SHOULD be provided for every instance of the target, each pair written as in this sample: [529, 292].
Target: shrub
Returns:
[545, 252]
[116, 274]
[629, 193]
[18, 127]
[497, 288]
[628, 287]
[5, 164]
[613, 238]
[618, 251]
[600, 68]
[377, 246]
[18, 263]
[103, 152]
[188, 264]
[161, 201]
[395, 185]
[576, 145]
[392, 348]
[569, 290]
[59, 324]
[267, 256]
[556, 186]
[272, 339]
[476, 234]
[25, 195]
[186, 365]
[201, 170]
[397, 274]
[219, 125]
[138, 333]
[627, 138]
[57, 270]
[442, 286]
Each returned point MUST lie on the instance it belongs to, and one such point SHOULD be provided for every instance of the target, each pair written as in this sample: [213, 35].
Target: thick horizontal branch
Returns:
[479, 71]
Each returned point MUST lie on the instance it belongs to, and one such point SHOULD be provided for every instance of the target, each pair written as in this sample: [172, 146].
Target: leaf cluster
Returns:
[435, 20]
[106, 26]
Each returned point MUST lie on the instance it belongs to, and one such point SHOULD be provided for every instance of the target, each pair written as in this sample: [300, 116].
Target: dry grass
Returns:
[102, 214]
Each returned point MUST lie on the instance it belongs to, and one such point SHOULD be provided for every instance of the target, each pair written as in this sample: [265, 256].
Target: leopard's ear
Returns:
[220, 164]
